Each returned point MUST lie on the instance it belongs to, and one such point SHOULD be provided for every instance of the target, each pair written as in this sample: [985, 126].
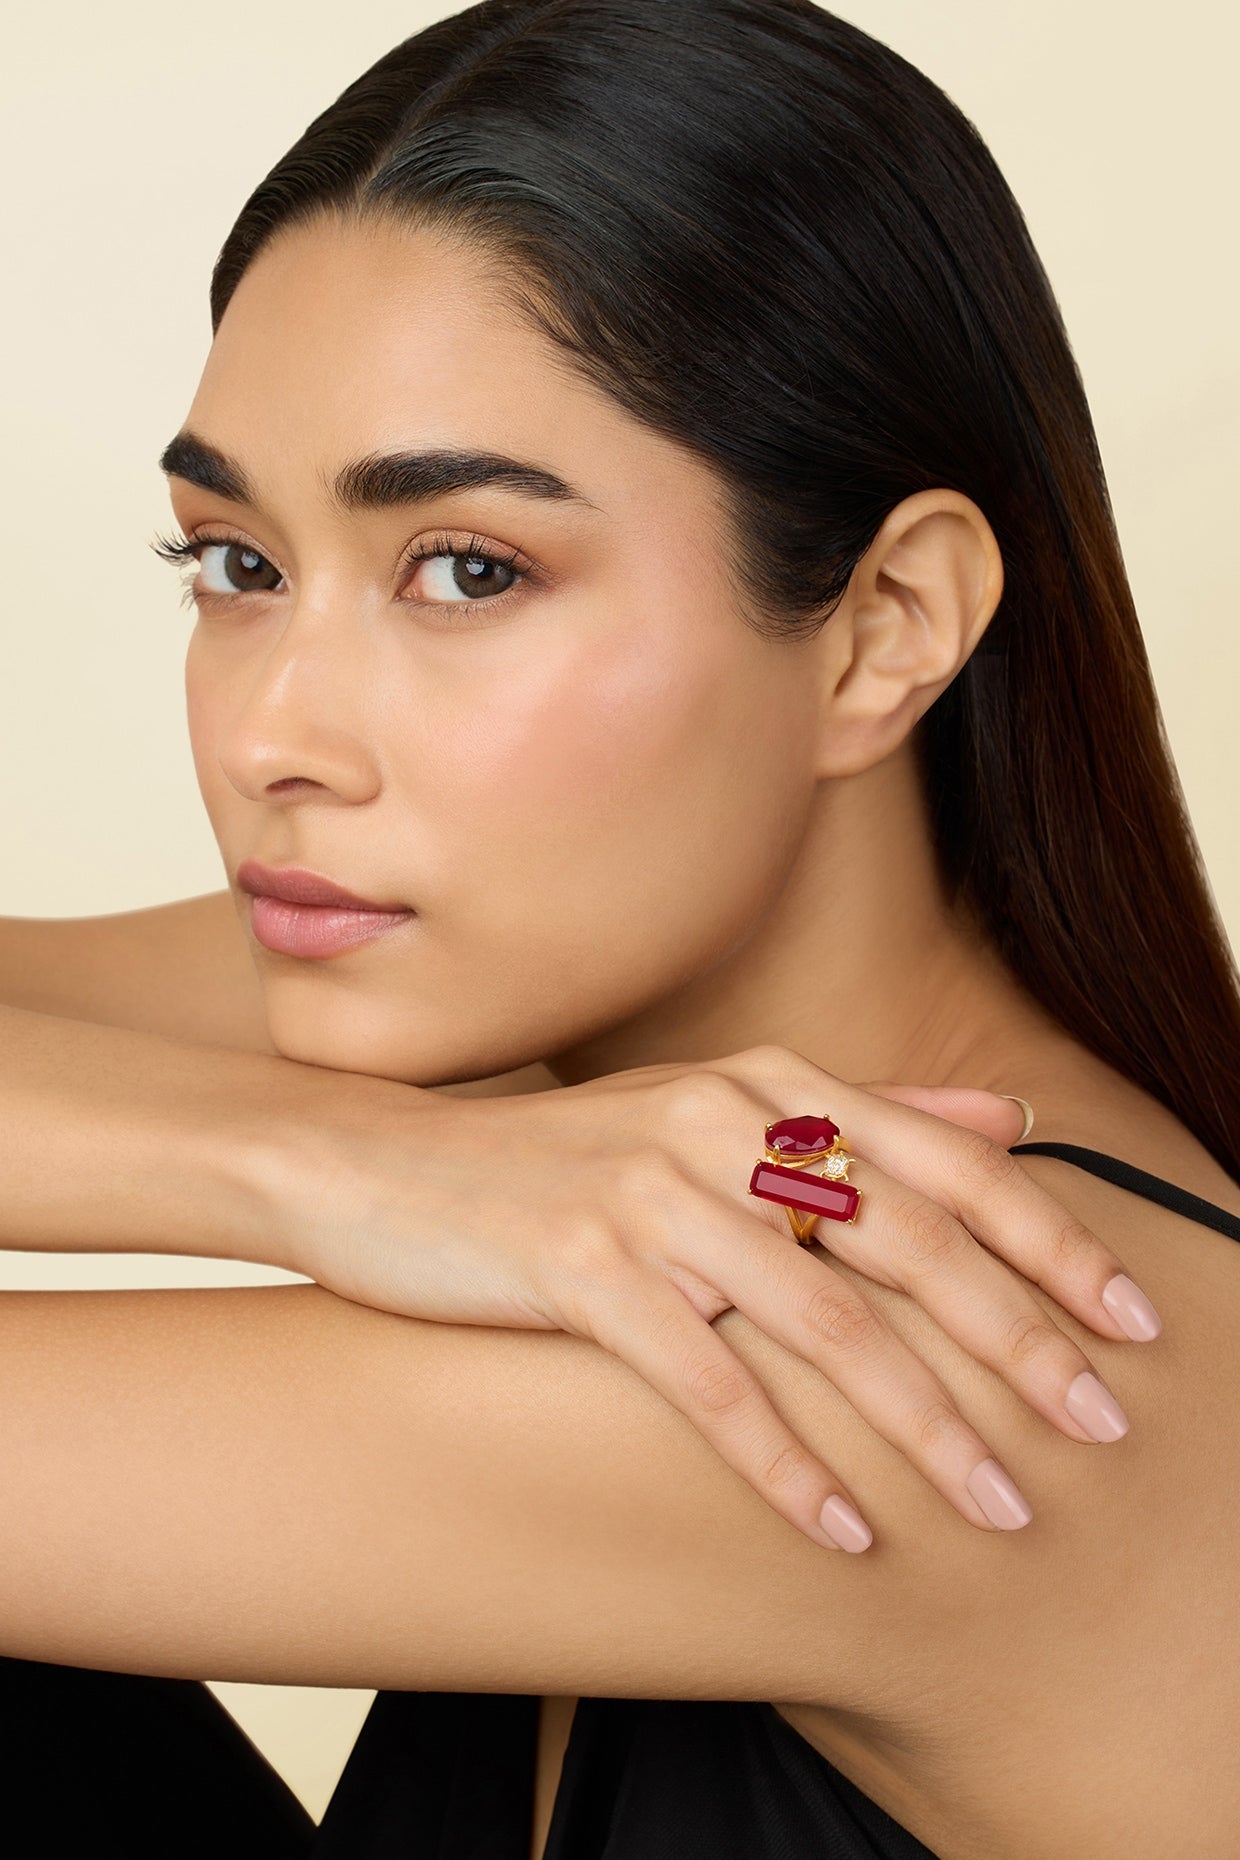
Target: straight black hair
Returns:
[775, 241]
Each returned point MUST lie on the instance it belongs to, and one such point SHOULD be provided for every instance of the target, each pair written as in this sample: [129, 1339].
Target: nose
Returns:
[298, 731]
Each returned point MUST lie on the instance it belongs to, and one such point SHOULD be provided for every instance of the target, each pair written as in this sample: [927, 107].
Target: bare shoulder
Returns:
[181, 969]
[1105, 1629]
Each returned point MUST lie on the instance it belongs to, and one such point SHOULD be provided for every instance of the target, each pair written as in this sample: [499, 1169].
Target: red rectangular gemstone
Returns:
[797, 1188]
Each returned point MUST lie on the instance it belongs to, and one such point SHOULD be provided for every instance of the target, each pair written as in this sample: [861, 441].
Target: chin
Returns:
[393, 1040]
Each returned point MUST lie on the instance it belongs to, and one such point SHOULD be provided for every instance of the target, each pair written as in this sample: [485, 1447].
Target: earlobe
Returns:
[919, 601]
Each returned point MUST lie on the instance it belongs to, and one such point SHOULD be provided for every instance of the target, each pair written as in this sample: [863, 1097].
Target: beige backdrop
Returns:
[131, 135]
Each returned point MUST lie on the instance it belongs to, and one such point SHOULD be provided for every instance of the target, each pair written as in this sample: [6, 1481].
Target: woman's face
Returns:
[584, 774]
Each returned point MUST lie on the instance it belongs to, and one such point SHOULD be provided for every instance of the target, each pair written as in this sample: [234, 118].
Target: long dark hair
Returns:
[778, 243]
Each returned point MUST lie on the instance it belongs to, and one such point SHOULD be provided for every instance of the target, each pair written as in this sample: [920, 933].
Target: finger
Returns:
[994, 1196]
[798, 1299]
[644, 1320]
[786, 1075]
[1005, 1119]
[925, 1251]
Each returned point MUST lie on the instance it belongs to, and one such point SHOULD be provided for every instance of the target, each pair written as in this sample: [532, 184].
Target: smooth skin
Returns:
[635, 833]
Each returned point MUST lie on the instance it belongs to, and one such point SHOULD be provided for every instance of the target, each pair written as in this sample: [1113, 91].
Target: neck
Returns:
[860, 964]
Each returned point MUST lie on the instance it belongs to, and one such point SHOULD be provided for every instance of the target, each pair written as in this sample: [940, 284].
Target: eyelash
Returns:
[179, 550]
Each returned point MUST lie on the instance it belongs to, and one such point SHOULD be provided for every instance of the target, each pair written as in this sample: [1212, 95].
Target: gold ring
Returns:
[793, 1146]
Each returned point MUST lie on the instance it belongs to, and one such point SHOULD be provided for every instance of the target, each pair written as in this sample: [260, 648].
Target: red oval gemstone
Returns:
[800, 1136]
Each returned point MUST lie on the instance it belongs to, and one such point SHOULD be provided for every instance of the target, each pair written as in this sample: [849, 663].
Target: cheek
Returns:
[637, 788]
[208, 698]
[593, 745]
[201, 711]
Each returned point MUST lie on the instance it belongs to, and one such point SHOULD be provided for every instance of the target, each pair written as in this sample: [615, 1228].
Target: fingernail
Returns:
[1026, 1107]
[1092, 1404]
[1131, 1309]
[844, 1526]
[998, 1497]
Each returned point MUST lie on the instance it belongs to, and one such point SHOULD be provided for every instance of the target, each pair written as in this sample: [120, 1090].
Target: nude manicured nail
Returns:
[1131, 1309]
[998, 1497]
[1092, 1404]
[1026, 1111]
[845, 1526]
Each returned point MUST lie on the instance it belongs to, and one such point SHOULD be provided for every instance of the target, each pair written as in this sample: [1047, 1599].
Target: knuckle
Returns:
[718, 1387]
[775, 1072]
[699, 1099]
[929, 1234]
[935, 1424]
[1029, 1335]
[1072, 1242]
[786, 1467]
[767, 1055]
[840, 1319]
[587, 1253]
[984, 1165]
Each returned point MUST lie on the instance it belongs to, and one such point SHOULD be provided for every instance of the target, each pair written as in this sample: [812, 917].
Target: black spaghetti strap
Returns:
[1152, 1187]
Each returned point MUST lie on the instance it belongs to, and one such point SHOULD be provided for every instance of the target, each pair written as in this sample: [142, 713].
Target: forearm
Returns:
[119, 1141]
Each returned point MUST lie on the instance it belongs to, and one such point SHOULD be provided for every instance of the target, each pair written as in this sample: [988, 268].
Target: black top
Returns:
[97, 1761]
[450, 1776]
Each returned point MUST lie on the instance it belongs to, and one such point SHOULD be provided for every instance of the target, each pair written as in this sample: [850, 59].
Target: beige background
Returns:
[132, 134]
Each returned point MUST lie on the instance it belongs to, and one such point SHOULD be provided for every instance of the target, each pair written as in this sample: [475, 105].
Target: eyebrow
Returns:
[381, 481]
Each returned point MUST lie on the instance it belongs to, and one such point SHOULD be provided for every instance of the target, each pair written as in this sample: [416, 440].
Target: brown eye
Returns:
[454, 578]
[240, 569]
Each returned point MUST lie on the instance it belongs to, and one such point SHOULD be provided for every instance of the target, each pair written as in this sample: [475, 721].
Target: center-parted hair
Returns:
[776, 242]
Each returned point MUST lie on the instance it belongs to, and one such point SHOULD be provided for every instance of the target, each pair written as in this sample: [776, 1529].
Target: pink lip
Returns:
[297, 886]
[298, 913]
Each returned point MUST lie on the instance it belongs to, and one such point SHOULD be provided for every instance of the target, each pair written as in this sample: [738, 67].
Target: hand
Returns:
[619, 1210]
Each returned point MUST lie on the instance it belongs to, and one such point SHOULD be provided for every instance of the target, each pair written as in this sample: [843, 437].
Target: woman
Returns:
[802, 723]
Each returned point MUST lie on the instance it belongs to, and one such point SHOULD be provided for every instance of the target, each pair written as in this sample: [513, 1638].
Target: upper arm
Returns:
[182, 969]
[274, 1484]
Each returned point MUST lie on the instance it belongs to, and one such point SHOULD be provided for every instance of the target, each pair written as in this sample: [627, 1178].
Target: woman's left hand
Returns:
[619, 1210]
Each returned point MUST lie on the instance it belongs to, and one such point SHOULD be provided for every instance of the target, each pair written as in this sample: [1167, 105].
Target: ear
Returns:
[918, 602]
